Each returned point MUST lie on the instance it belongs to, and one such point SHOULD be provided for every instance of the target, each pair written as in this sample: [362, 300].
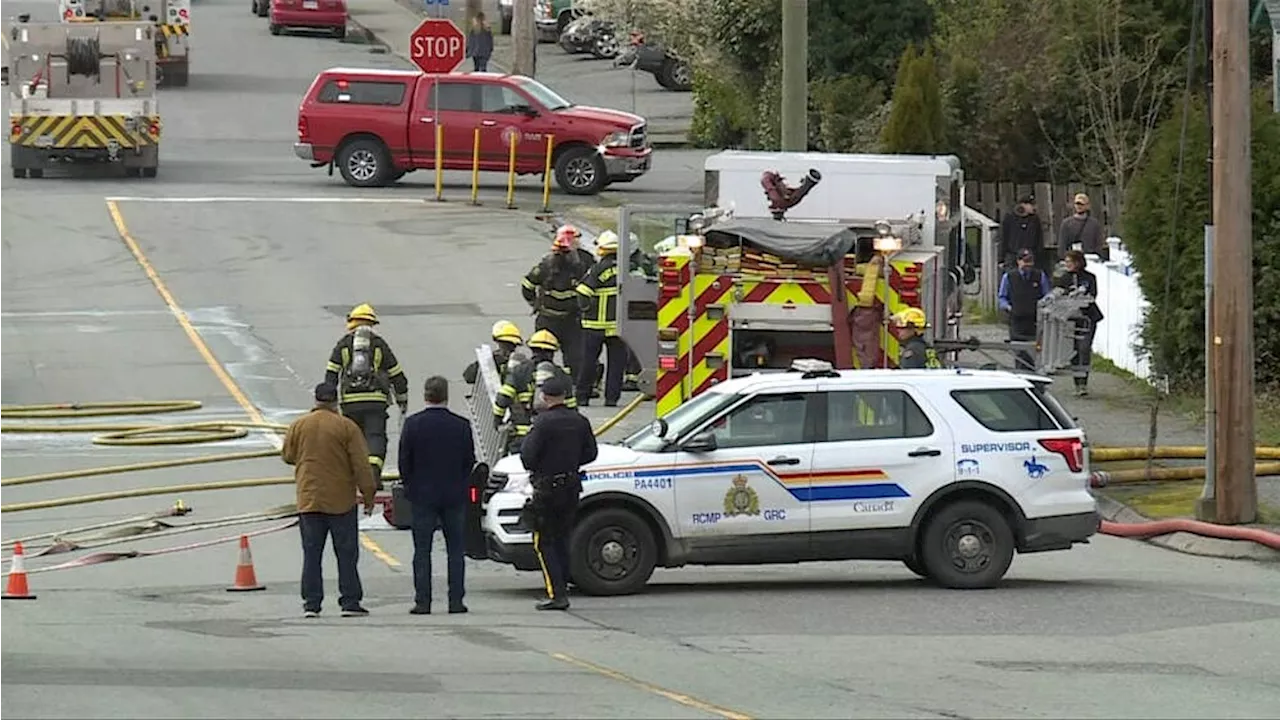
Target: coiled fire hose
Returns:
[217, 430]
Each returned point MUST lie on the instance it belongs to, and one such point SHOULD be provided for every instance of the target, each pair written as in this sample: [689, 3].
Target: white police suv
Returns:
[949, 471]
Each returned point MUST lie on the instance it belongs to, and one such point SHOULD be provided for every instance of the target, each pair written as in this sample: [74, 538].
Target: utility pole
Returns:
[795, 75]
[1206, 507]
[524, 38]
[1235, 487]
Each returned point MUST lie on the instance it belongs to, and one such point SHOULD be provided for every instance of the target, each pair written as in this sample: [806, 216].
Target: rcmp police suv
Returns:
[949, 471]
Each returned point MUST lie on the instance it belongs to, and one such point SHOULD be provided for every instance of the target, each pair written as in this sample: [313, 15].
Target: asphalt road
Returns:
[259, 256]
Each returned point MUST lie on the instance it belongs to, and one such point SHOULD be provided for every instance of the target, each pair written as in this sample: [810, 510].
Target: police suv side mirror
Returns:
[700, 443]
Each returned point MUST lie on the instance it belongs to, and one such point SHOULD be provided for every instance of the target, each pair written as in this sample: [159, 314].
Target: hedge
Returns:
[1173, 333]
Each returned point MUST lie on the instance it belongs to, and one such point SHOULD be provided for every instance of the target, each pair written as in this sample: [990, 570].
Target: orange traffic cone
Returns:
[17, 589]
[246, 578]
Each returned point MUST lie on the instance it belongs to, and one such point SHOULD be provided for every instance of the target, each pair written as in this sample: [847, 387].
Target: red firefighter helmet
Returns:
[566, 238]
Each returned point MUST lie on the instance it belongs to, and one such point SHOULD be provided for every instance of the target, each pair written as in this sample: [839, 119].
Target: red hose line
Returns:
[1164, 527]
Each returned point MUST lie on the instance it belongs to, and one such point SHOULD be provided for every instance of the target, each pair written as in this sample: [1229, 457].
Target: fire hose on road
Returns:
[216, 430]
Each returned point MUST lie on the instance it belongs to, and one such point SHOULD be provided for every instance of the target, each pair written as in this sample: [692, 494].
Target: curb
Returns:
[1184, 542]
[368, 38]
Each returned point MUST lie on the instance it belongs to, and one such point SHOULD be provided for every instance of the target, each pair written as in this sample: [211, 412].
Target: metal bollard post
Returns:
[475, 169]
[439, 162]
[546, 176]
[511, 173]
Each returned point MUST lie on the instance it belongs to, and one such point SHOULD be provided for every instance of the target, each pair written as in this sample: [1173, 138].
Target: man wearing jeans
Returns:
[437, 455]
[331, 463]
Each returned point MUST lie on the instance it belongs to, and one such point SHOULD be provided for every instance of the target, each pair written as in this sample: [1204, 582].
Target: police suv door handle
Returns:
[785, 461]
[924, 452]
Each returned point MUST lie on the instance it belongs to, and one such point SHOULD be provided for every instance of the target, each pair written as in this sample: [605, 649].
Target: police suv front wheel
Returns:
[967, 545]
[614, 553]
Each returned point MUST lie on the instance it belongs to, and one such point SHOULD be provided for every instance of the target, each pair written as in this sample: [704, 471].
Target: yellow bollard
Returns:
[511, 172]
[546, 176]
[475, 169]
[439, 162]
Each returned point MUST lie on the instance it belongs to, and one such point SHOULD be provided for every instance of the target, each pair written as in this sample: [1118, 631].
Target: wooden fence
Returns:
[1053, 203]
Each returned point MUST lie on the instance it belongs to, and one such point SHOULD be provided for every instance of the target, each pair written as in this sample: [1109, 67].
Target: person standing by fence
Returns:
[1019, 296]
[1019, 230]
[1081, 231]
[1078, 280]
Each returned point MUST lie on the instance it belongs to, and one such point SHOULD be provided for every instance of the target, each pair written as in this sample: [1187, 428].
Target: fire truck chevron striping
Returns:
[84, 131]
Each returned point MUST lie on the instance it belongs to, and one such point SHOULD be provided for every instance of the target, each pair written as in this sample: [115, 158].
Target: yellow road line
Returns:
[377, 551]
[686, 700]
[203, 348]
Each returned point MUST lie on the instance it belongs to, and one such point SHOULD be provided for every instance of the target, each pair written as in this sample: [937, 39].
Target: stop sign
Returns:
[437, 46]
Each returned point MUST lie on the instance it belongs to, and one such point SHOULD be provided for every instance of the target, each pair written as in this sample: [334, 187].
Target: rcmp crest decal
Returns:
[741, 499]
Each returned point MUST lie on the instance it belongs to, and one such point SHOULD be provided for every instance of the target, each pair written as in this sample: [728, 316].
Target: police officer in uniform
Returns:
[518, 393]
[550, 288]
[598, 298]
[914, 352]
[366, 371]
[1019, 295]
[557, 447]
[506, 338]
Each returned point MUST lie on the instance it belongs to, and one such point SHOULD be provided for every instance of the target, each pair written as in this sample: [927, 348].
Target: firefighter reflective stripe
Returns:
[333, 367]
[599, 297]
[371, 396]
[673, 332]
[377, 359]
[367, 395]
[84, 131]
[375, 460]
[931, 358]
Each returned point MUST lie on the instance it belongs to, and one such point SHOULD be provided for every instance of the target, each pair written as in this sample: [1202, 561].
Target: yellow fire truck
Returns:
[742, 296]
[172, 20]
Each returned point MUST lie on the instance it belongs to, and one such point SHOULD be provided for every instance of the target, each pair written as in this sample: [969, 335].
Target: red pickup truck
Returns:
[377, 125]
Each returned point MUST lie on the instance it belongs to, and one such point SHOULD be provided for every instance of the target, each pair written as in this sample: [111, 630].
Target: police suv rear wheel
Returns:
[613, 552]
[967, 545]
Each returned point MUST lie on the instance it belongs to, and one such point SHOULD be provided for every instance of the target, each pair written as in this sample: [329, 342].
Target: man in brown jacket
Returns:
[331, 462]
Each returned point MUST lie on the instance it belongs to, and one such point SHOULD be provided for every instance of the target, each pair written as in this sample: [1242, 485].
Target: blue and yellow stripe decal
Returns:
[851, 484]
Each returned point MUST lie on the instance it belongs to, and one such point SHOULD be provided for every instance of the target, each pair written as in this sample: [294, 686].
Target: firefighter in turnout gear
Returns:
[367, 375]
[550, 288]
[506, 338]
[916, 353]
[519, 393]
[598, 298]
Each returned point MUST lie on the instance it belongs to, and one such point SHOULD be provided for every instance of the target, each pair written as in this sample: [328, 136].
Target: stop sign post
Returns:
[437, 46]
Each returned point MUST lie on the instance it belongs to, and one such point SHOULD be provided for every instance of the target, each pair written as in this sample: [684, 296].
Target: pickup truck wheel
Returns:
[612, 552]
[967, 545]
[675, 75]
[364, 163]
[340, 32]
[581, 171]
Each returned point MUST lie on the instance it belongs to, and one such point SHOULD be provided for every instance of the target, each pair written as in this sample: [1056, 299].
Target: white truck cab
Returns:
[950, 471]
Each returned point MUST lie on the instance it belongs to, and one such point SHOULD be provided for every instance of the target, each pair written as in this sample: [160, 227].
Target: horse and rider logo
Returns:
[741, 499]
[1035, 469]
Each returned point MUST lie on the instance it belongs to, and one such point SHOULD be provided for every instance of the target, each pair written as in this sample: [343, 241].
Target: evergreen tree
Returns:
[916, 122]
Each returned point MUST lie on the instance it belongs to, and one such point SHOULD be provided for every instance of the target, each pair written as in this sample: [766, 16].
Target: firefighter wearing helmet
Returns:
[519, 393]
[367, 375]
[550, 288]
[506, 338]
[915, 353]
[598, 298]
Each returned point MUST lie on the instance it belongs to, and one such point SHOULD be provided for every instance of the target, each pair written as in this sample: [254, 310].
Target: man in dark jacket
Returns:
[1019, 295]
[1078, 280]
[557, 447]
[437, 454]
[1081, 231]
[1021, 230]
[330, 464]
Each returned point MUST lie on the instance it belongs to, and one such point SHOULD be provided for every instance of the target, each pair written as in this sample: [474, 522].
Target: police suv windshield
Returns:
[680, 421]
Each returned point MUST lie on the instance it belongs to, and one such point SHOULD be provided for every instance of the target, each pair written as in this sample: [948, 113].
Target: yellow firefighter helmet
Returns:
[544, 340]
[363, 312]
[911, 317]
[607, 241]
[506, 331]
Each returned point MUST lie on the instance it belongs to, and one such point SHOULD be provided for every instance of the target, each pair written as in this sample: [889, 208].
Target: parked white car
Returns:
[949, 471]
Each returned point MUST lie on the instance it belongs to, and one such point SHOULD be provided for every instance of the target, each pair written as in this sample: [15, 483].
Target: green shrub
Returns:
[916, 120]
[1173, 332]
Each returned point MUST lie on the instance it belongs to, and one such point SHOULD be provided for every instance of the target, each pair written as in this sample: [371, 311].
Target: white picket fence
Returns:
[1124, 310]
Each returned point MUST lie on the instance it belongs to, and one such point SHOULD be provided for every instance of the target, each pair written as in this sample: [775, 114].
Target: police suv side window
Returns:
[764, 420]
[1005, 409]
[454, 96]
[362, 92]
[874, 415]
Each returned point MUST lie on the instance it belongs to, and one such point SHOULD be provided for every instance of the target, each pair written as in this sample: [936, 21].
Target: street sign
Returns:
[437, 46]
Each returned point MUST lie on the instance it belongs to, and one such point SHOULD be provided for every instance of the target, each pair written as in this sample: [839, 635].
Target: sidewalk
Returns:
[580, 78]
